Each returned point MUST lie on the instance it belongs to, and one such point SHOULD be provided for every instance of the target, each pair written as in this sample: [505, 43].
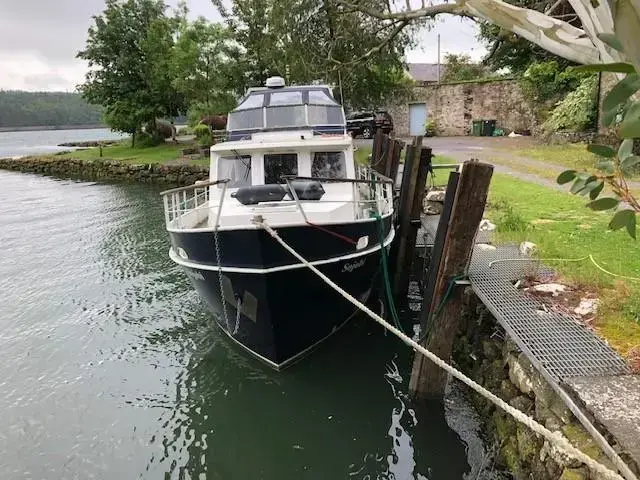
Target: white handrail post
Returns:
[224, 189]
[297, 200]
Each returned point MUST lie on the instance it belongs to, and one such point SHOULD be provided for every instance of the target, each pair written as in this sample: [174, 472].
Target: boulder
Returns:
[527, 248]
[432, 208]
[588, 306]
[436, 195]
[554, 289]
[486, 226]
[520, 373]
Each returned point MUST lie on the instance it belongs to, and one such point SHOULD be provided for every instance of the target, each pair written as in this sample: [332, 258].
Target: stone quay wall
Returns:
[487, 355]
[108, 170]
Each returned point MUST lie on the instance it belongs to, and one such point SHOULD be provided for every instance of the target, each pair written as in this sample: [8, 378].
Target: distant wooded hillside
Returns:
[28, 109]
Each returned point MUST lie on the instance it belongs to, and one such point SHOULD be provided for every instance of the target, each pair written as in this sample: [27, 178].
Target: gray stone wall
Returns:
[454, 105]
[108, 170]
[487, 355]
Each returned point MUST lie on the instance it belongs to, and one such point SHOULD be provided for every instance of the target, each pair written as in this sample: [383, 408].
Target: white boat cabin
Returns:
[276, 132]
[269, 156]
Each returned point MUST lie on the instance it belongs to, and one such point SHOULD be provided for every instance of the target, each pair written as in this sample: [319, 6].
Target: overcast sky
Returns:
[40, 38]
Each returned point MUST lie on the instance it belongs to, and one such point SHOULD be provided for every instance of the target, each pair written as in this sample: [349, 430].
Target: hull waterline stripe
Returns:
[233, 228]
[215, 268]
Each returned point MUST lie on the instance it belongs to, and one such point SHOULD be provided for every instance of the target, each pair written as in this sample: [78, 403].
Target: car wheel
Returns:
[367, 132]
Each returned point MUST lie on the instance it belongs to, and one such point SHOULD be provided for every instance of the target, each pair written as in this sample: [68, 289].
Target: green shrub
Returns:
[577, 111]
[201, 130]
[185, 131]
[544, 84]
[205, 140]
[430, 128]
[145, 140]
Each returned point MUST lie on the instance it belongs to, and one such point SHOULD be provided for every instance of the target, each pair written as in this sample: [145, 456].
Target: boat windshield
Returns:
[286, 109]
[278, 164]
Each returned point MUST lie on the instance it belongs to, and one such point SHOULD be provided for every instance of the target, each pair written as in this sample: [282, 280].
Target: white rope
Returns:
[553, 437]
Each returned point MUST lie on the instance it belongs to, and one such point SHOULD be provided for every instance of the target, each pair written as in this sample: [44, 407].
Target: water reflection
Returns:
[115, 369]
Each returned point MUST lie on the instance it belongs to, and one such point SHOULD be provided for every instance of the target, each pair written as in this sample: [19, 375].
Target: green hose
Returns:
[385, 276]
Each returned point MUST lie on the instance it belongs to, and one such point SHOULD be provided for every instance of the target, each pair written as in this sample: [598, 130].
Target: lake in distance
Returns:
[113, 367]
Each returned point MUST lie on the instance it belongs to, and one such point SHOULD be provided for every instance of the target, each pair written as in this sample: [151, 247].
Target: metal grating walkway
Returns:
[558, 344]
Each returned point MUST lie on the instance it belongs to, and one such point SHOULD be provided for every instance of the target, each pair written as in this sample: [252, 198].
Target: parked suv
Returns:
[366, 123]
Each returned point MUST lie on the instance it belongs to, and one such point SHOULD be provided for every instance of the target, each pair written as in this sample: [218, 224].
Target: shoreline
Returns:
[176, 174]
[35, 128]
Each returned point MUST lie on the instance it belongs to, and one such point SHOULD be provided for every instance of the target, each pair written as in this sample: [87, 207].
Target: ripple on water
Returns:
[113, 368]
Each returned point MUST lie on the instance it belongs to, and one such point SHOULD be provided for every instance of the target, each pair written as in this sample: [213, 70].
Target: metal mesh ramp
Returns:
[553, 342]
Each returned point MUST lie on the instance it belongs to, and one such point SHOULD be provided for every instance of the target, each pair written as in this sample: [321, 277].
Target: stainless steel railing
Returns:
[188, 207]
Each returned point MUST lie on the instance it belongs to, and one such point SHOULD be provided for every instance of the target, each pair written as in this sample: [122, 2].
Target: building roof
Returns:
[425, 72]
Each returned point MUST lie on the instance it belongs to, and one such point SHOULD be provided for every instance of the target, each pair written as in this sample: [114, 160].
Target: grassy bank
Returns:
[571, 155]
[561, 227]
[123, 151]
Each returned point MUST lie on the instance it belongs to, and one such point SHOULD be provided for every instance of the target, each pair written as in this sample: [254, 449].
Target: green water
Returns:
[112, 367]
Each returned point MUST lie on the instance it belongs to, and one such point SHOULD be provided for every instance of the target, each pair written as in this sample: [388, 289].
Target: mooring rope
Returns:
[554, 438]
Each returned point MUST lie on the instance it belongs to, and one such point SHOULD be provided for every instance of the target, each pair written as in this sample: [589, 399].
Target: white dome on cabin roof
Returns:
[275, 82]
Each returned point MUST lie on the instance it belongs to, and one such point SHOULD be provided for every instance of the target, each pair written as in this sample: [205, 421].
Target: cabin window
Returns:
[237, 168]
[252, 101]
[286, 116]
[318, 97]
[245, 119]
[286, 98]
[279, 164]
[325, 115]
[329, 165]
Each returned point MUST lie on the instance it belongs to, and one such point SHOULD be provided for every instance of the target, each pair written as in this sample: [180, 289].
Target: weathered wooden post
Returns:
[445, 306]
[394, 160]
[377, 151]
[412, 190]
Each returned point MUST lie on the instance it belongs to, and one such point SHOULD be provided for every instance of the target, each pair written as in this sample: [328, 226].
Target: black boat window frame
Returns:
[244, 160]
[277, 177]
[329, 174]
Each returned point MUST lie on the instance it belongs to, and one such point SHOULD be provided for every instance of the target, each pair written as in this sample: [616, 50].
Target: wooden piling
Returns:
[414, 179]
[378, 148]
[445, 306]
[394, 160]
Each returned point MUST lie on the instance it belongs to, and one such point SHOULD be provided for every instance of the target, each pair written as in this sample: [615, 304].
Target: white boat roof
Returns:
[301, 140]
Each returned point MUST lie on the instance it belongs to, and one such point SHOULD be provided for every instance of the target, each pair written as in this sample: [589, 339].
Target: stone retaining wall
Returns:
[108, 170]
[453, 106]
[492, 359]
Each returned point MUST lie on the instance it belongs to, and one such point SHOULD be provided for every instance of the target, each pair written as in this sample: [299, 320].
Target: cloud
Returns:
[39, 40]
[457, 35]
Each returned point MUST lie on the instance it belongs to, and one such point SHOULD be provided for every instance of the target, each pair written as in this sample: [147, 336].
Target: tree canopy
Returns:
[146, 64]
[317, 40]
[459, 68]
[129, 50]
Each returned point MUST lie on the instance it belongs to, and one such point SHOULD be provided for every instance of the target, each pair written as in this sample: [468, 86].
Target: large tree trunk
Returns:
[133, 139]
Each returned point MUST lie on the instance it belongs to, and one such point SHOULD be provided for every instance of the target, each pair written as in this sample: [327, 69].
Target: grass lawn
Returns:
[562, 227]
[571, 155]
[123, 151]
